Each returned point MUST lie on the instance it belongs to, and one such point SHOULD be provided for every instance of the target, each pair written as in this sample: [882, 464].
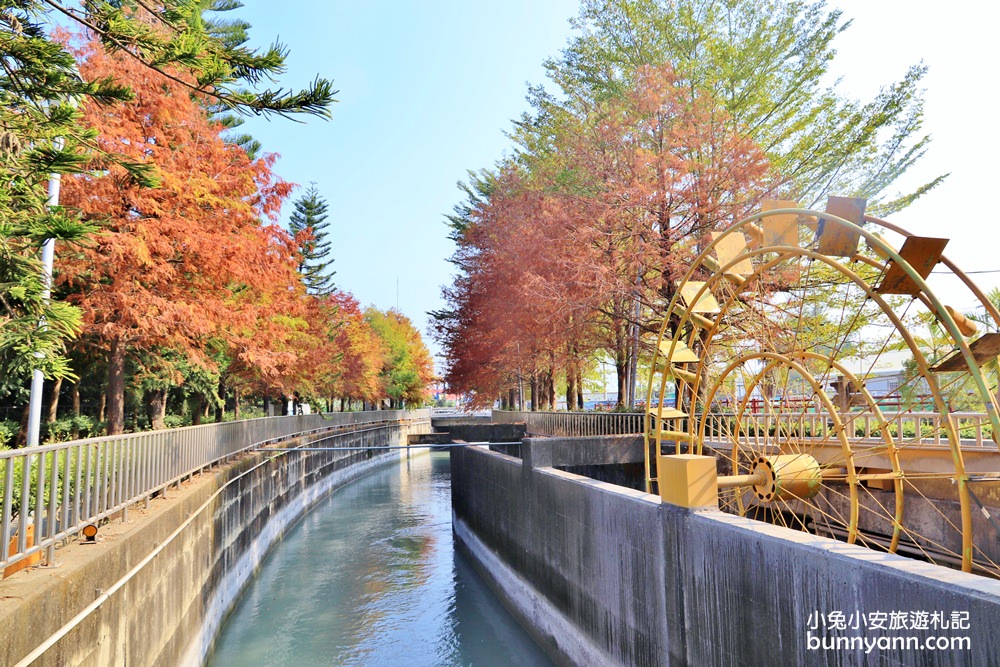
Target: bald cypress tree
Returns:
[308, 224]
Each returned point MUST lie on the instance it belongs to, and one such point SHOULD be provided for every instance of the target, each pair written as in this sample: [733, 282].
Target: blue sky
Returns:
[426, 91]
[428, 88]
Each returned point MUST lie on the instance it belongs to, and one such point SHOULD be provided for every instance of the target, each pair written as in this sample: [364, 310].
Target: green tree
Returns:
[232, 32]
[765, 62]
[309, 226]
[407, 369]
[935, 343]
[987, 323]
[750, 73]
[41, 135]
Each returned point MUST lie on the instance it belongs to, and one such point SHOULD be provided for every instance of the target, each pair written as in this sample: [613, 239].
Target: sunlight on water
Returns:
[370, 577]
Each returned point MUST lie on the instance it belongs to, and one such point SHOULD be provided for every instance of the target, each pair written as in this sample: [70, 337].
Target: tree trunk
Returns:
[22, 432]
[579, 387]
[116, 389]
[102, 403]
[220, 409]
[633, 358]
[552, 390]
[533, 391]
[570, 390]
[54, 401]
[236, 404]
[156, 408]
[200, 405]
[75, 394]
[620, 341]
[621, 370]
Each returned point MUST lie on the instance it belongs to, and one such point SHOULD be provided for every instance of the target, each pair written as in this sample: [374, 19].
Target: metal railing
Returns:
[58, 489]
[574, 423]
[907, 427]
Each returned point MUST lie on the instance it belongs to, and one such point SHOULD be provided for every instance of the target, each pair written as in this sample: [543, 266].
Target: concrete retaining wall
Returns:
[156, 593]
[607, 574]
[478, 431]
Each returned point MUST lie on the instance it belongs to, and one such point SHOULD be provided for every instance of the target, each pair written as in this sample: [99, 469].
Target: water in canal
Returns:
[370, 577]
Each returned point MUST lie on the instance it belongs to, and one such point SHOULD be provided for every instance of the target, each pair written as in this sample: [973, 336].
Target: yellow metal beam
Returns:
[780, 229]
[698, 298]
[667, 413]
[677, 352]
[687, 376]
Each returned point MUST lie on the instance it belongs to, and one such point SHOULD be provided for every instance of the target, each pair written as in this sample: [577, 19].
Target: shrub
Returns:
[8, 431]
[176, 421]
[50, 459]
[63, 430]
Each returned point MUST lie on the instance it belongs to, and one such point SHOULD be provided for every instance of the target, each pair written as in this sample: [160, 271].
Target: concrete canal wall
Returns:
[154, 591]
[608, 575]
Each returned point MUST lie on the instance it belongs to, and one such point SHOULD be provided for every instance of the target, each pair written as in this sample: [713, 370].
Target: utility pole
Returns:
[520, 382]
[634, 365]
[48, 259]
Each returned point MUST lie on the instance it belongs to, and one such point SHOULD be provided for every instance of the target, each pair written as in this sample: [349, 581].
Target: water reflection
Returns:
[371, 577]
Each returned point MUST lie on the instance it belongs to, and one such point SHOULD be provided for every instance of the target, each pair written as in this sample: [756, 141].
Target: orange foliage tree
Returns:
[577, 245]
[519, 318]
[360, 353]
[406, 369]
[189, 261]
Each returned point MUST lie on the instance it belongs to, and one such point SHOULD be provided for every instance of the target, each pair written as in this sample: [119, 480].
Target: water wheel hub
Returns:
[786, 477]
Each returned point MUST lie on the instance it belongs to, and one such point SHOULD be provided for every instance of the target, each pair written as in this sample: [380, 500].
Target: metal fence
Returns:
[53, 491]
[574, 423]
[973, 428]
[910, 427]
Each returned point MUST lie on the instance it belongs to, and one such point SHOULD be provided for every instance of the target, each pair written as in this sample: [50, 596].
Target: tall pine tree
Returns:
[308, 224]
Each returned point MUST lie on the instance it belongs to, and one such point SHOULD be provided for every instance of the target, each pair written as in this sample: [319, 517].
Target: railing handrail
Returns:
[568, 424]
[183, 430]
[584, 413]
[581, 413]
[84, 481]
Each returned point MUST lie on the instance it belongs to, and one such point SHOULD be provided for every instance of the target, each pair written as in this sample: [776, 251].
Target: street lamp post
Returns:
[604, 379]
[48, 258]
[520, 381]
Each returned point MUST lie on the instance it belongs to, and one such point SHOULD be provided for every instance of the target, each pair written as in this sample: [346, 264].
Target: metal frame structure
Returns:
[751, 283]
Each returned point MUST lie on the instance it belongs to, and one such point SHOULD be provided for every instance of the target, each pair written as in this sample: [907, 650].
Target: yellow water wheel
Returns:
[807, 352]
